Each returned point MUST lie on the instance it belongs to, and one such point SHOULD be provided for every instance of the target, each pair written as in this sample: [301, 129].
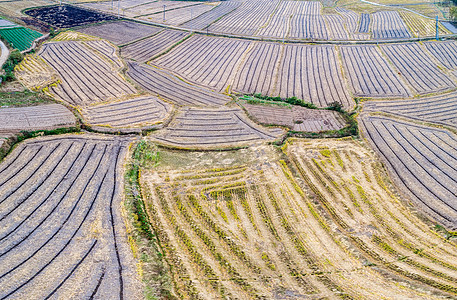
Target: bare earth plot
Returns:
[180, 15]
[444, 52]
[369, 73]
[388, 25]
[295, 117]
[335, 25]
[121, 32]
[418, 69]
[107, 51]
[259, 70]
[207, 18]
[312, 73]
[208, 61]
[146, 49]
[221, 128]
[423, 161]
[171, 88]
[246, 19]
[86, 77]
[62, 234]
[250, 229]
[136, 112]
[42, 117]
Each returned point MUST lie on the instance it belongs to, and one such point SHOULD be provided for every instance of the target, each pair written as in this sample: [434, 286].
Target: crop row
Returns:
[50, 240]
[171, 88]
[440, 109]
[388, 25]
[86, 78]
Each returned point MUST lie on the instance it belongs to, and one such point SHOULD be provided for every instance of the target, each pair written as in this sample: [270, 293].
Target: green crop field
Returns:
[20, 38]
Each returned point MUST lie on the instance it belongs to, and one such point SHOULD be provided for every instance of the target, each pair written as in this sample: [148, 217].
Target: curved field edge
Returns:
[303, 189]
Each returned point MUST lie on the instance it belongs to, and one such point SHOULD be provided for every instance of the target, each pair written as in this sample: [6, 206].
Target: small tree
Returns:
[453, 13]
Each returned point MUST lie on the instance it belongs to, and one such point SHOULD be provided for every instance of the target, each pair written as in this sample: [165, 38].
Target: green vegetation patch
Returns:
[20, 38]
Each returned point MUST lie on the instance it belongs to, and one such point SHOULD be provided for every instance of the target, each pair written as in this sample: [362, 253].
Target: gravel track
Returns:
[213, 128]
[208, 61]
[146, 49]
[61, 226]
[417, 68]
[134, 112]
[312, 73]
[423, 160]
[369, 73]
[170, 87]
[86, 78]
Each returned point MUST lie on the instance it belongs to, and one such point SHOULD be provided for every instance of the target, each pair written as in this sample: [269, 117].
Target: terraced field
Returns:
[42, 117]
[422, 160]
[206, 19]
[444, 52]
[35, 73]
[295, 117]
[215, 128]
[259, 70]
[420, 26]
[309, 23]
[312, 73]
[336, 28]
[418, 69]
[246, 19]
[121, 32]
[180, 15]
[248, 229]
[441, 109]
[85, 77]
[62, 233]
[136, 112]
[369, 73]
[388, 25]
[145, 50]
[171, 88]
[208, 61]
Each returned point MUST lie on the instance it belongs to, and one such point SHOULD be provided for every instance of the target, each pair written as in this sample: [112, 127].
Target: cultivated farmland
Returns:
[136, 112]
[85, 77]
[336, 28]
[422, 160]
[240, 224]
[440, 109]
[180, 15]
[444, 52]
[388, 25]
[259, 70]
[215, 128]
[364, 23]
[42, 117]
[146, 49]
[207, 18]
[246, 19]
[208, 61]
[309, 22]
[420, 26]
[369, 73]
[121, 32]
[171, 88]
[417, 68]
[35, 73]
[312, 73]
[20, 38]
[295, 117]
[62, 234]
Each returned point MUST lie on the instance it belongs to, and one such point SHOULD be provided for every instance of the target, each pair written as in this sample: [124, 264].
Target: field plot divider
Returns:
[140, 39]
[276, 90]
[270, 17]
[165, 51]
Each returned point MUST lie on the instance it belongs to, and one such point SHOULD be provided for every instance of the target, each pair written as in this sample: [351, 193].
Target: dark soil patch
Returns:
[67, 16]
[31, 22]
